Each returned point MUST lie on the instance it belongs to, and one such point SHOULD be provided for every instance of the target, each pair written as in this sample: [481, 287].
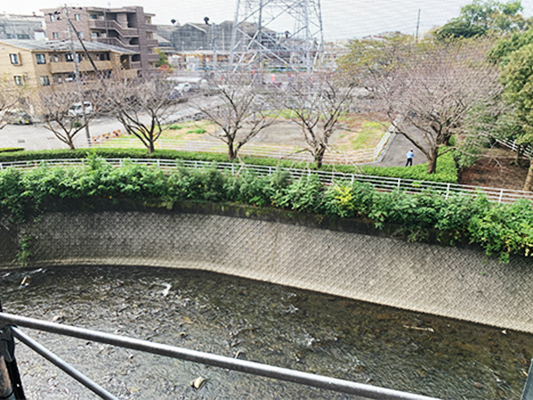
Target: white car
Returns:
[76, 109]
[183, 87]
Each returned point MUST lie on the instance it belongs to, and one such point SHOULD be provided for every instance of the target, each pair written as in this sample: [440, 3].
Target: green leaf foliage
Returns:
[504, 229]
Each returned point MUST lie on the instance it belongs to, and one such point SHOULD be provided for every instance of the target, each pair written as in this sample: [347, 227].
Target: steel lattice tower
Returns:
[255, 41]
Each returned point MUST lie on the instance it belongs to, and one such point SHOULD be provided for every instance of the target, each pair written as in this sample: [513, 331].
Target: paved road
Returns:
[36, 137]
[397, 150]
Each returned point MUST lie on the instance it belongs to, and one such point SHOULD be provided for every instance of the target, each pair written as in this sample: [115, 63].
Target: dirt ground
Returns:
[496, 169]
[289, 133]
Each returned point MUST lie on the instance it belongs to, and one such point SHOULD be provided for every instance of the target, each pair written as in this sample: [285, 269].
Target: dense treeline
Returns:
[505, 229]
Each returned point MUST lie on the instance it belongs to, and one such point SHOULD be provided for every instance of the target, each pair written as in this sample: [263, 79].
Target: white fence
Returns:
[380, 183]
[255, 150]
[528, 150]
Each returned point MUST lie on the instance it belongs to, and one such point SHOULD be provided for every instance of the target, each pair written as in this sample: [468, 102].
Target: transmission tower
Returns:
[284, 34]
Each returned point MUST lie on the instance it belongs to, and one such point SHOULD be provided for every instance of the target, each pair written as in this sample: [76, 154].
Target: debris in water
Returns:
[166, 290]
[416, 328]
[504, 332]
[197, 383]
[25, 281]
[239, 353]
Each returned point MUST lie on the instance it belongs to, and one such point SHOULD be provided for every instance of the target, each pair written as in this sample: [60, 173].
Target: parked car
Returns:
[76, 109]
[17, 117]
[183, 87]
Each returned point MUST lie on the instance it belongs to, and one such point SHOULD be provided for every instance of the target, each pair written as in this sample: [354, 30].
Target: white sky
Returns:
[342, 19]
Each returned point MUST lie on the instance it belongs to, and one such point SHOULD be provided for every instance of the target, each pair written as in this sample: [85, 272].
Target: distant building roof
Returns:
[61, 45]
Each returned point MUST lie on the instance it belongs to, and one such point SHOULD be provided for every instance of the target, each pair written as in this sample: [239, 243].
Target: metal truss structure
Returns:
[255, 41]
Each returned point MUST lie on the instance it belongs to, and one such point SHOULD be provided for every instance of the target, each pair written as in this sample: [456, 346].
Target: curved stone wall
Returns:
[452, 282]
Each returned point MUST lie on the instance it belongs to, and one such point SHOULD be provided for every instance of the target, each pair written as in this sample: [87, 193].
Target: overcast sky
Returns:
[342, 19]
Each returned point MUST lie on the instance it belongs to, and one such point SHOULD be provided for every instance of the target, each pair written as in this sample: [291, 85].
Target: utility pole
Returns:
[77, 75]
[417, 26]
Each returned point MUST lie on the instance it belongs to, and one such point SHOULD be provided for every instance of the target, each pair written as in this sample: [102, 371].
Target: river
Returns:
[254, 321]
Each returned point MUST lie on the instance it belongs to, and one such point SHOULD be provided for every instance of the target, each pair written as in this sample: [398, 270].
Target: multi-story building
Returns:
[37, 63]
[29, 27]
[126, 27]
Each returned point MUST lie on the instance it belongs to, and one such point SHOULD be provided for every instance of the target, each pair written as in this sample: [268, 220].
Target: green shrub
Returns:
[197, 130]
[10, 149]
[501, 229]
[175, 127]
[446, 170]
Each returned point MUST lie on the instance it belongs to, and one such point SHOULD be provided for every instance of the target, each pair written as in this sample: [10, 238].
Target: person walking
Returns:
[410, 155]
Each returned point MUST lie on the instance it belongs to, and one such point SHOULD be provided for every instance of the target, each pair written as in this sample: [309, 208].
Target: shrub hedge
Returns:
[446, 170]
[499, 229]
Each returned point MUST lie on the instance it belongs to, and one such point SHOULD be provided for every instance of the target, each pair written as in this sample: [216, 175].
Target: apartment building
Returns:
[29, 27]
[127, 27]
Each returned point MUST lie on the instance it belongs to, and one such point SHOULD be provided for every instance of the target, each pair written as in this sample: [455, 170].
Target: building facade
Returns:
[25, 27]
[127, 27]
[34, 64]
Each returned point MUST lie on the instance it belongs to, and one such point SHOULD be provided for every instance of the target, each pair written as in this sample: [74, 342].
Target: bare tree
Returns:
[61, 116]
[434, 92]
[241, 108]
[10, 97]
[316, 103]
[140, 106]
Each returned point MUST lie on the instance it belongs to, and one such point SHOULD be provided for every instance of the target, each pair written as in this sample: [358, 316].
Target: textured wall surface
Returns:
[452, 282]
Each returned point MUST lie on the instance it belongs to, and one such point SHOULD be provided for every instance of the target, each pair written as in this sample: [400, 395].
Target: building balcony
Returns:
[153, 57]
[129, 73]
[151, 43]
[68, 67]
[113, 26]
[150, 28]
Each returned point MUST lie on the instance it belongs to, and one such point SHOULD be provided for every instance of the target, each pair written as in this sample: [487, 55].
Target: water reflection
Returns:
[255, 321]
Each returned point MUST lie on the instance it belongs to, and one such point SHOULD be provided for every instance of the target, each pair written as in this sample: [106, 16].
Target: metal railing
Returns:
[379, 182]
[10, 321]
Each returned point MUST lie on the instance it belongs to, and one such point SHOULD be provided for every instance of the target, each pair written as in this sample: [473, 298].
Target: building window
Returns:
[19, 80]
[52, 18]
[55, 35]
[80, 35]
[77, 17]
[14, 59]
[68, 57]
[95, 34]
[56, 58]
[59, 79]
[45, 81]
[93, 16]
[40, 58]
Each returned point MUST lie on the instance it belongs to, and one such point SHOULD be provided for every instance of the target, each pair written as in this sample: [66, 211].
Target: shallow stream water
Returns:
[251, 320]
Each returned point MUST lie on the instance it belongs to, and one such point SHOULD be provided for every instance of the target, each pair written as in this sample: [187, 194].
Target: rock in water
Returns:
[197, 383]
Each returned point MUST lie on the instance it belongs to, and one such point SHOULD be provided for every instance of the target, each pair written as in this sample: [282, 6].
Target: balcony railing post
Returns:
[528, 387]
[10, 383]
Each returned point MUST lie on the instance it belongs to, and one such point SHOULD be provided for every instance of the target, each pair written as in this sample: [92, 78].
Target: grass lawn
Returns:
[357, 133]
[360, 133]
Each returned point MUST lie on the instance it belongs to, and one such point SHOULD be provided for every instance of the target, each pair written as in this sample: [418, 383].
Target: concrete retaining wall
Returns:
[451, 282]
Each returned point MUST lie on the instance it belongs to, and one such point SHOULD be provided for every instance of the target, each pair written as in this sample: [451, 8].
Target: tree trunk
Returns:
[150, 147]
[432, 160]
[519, 153]
[232, 154]
[319, 156]
[70, 143]
[528, 185]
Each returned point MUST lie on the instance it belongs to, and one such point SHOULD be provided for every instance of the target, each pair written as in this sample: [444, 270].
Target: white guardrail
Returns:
[379, 182]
